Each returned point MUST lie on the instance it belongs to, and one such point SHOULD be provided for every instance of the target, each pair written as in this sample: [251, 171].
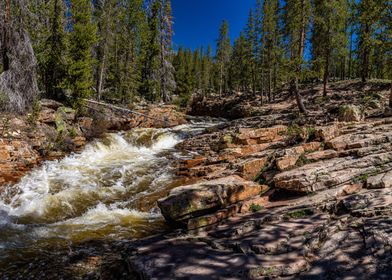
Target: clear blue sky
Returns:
[196, 22]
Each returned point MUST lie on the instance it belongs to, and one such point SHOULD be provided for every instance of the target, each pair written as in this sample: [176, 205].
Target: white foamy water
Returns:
[97, 189]
[107, 191]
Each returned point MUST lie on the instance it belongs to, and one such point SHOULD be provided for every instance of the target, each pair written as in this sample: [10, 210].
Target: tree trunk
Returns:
[350, 59]
[294, 82]
[7, 18]
[390, 97]
[365, 57]
[326, 74]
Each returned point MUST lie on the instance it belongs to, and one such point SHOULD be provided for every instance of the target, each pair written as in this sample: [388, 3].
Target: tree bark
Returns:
[326, 73]
[7, 18]
[294, 82]
[390, 97]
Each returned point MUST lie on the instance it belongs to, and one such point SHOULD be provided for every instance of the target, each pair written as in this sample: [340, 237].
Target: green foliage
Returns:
[255, 207]
[300, 213]
[81, 42]
[33, 116]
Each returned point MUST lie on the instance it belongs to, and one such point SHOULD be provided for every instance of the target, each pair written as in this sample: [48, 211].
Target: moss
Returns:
[72, 132]
[297, 214]
[302, 160]
[255, 207]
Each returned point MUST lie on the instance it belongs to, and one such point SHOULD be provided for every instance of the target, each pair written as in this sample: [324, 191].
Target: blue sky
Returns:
[196, 22]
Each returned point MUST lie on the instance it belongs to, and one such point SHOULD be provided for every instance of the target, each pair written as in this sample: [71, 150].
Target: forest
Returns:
[122, 51]
[260, 148]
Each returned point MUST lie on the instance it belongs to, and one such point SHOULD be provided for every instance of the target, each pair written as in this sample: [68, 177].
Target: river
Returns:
[106, 192]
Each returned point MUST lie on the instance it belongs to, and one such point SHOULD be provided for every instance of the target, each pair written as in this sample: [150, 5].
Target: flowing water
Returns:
[107, 192]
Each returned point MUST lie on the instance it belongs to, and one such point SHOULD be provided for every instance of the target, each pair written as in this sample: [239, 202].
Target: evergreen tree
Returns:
[81, 41]
[223, 53]
[370, 12]
[166, 68]
[329, 35]
[104, 11]
[296, 24]
[150, 74]
[251, 50]
[184, 75]
[206, 71]
[270, 48]
[239, 77]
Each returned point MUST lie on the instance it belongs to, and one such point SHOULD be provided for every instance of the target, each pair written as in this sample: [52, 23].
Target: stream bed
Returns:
[108, 192]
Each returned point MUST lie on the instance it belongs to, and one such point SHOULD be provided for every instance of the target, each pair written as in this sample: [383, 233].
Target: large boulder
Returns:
[206, 197]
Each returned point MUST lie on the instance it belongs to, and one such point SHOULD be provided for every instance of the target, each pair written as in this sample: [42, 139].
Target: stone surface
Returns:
[380, 181]
[329, 173]
[321, 155]
[204, 197]
[250, 168]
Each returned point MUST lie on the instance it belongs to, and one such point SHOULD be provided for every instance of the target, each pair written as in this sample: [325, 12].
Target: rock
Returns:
[79, 142]
[47, 116]
[214, 218]
[311, 146]
[85, 123]
[321, 155]
[380, 181]
[206, 197]
[289, 158]
[326, 133]
[330, 173]
[250, 136]
[350, 113]
[67, 114]
[233, 153]
[250, 168]
[49, 103]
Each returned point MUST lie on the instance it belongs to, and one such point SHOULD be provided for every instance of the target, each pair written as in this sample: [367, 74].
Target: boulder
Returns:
[206, 197]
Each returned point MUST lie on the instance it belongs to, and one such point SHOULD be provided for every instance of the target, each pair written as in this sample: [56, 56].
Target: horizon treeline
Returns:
[122, 50]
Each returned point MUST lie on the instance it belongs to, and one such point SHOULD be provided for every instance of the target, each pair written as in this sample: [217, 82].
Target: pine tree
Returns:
[104, 13]
[223, 53]
[251, 47]
[270, 48]
[55, 68]
[166, 68]
[329, 35]
[206, 71]
[183, 64]
[370, 12]
[239, 77]
[81, 41]
[150, 73]
[296, 24]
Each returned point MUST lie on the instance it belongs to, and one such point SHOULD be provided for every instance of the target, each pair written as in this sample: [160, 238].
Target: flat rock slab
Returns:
[331, 173]
[380, 181]
[205, 197]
